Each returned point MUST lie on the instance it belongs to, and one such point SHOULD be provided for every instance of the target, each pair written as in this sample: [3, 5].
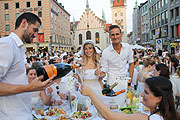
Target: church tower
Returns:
[118, 8]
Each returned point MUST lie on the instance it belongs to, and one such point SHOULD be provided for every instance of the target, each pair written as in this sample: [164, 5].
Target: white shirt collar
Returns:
[16, 39]
[111, 46]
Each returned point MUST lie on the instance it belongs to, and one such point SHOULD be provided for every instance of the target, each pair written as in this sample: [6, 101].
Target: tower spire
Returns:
[87, 5]
[73, 20]
[103, 16]
[136, 4]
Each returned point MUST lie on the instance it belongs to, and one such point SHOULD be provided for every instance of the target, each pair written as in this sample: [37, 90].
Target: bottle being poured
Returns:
[59, 69]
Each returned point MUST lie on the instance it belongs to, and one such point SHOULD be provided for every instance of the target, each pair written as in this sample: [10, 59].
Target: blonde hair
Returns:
[148, 62]
[95, 55]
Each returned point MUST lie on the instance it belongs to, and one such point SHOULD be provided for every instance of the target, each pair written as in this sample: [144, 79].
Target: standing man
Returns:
[173, 45]
[115, 57]
[15, 97]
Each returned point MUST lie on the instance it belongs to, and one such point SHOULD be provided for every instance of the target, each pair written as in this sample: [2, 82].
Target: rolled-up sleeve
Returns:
[104, 63]
[130, 55]
[5, 58]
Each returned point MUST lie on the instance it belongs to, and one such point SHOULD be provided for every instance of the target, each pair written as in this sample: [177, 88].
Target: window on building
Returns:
[122, 27]
[172, 31]
[80, 39]
[51, 4]
[40, 14]
[115, 14]
[171, 14]
[6, 17]
[162, 3]
[159, 19]
[166, 17]
[97, 38]
[17, 15]
[118, 1]
[51, 15]
[55, 7]
[16, 5]
[28, 4]
[162, 18]
[7, 27]
[165, 2]
[158, 4]
[177, 12]
[6, 6]
[39, 3]
[121, 14]
[88, 35]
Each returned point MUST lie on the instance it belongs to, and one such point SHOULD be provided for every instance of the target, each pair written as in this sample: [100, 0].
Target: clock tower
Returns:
[118, 8]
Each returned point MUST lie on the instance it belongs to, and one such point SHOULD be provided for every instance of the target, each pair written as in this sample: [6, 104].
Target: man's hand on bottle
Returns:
[37, 84]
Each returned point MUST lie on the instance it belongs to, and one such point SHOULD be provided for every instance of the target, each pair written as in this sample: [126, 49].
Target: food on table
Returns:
[55, 111]
[81, 115]
[41, 118]
[129, 110]
[64, 117]
[41, 112]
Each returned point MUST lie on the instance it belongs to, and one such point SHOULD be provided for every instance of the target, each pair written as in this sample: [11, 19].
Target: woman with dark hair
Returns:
[157, 96]
[174, 65]
[162, 70]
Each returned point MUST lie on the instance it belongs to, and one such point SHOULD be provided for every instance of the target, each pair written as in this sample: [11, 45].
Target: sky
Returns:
[77, 7]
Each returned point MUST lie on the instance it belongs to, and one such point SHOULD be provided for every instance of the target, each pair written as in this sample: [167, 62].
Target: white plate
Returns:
[90, 118]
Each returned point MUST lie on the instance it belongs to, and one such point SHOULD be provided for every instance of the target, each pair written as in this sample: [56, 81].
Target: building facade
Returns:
[118, 8]
[144, 15]
[136, 25]
[54, 33]
[90, 27]
[164, 21]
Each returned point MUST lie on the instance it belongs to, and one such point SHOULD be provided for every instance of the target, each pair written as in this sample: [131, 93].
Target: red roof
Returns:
[107, 27]
[118, 3]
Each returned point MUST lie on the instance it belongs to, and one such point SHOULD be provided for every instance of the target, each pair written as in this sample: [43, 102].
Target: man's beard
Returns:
[26, 37]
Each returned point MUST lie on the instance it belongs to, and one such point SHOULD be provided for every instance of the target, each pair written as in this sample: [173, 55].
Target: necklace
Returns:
[90, 63]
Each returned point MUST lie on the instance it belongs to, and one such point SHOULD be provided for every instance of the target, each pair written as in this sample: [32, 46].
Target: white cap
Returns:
[81, 52]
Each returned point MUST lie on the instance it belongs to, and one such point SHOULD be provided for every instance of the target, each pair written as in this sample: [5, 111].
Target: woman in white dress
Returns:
[90, 64]
[144, 74]
[157, 96]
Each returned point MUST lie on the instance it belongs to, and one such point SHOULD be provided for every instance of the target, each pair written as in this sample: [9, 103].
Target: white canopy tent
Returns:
[136, 46]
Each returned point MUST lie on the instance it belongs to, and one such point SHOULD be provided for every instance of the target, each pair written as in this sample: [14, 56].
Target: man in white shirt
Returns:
[15, 90]
[115, 57]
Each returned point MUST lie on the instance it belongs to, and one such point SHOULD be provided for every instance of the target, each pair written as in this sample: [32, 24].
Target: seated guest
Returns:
[144, 73]
[36, 102]
[162, 70]
[157, 96]
[176, 79]
[136, 69]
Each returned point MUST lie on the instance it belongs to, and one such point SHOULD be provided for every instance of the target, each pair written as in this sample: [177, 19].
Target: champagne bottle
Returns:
[129, 96]
[108, 89]
[136, 97]
[59, 69]
[112, 93]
